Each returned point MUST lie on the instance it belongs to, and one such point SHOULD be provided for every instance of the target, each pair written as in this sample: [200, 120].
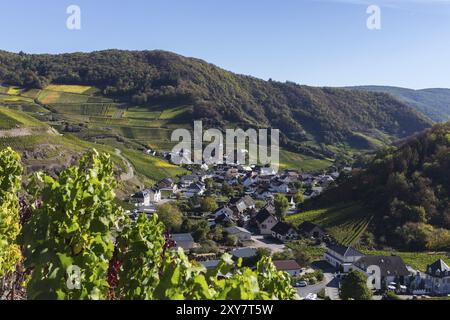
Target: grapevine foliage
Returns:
[149, 271]
[10, 183]
[74, 222]
[72, 227]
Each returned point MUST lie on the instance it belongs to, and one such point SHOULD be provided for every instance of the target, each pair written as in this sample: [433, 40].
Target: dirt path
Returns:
[126, 176]
[23, 132]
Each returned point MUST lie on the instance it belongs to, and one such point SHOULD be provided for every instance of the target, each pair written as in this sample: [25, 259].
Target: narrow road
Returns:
[126, 176]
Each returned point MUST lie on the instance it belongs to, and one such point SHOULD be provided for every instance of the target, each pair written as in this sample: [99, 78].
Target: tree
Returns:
[354, 286]
[208, 204]
[70, 233]
[217, 234]
[231, 240]
[170, 216]
[10, 184]
[281, 205]
[298, 198]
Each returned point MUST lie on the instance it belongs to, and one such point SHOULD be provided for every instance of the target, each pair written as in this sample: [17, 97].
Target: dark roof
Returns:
[389, 265]
[165, 183]
[282, 228]
[182, 237]
[244, 252]
[270, 208]
[344, 250]
[140, 195]
[262, 216]
[226, 209]
[439, 269]
[249, 202]
[307, 227]
[285, 265]
[223, 217]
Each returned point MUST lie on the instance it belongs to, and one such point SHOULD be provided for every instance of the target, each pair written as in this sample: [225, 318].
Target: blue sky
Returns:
[314, 42]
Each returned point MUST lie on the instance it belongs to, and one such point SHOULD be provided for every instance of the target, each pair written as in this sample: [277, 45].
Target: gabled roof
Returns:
[165, 183]
[244, 252]
[140, 195]
[344, 250]
[282, 228]
[439, 269]
[224, 209]
[249, 202]
[389, 265]
[263, 215]
[182, 237]
[236, 230]
[286, 265]
[307, 227]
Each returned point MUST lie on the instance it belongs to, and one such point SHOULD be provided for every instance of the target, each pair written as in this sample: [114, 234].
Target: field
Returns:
[68, 88]
[290, 160]
[10, 119]
[417, 260]
[152, 168]
[345, 222]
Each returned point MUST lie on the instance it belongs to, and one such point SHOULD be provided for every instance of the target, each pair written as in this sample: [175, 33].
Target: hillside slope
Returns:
[435, 103]
[408, 189]
[313, 121]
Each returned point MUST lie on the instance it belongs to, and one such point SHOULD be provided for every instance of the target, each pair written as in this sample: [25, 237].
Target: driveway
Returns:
[329, 283]
[272, 245]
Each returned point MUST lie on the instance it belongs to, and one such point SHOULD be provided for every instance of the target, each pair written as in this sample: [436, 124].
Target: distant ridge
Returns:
[434, 103]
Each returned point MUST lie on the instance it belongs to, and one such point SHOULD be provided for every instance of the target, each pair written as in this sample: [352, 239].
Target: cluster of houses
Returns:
[260, 183]
[390, 272]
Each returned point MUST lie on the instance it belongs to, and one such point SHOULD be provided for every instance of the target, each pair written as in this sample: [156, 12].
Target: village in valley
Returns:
[241, 210]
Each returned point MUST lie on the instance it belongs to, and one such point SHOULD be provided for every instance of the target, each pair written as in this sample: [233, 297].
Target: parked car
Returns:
[301, 284]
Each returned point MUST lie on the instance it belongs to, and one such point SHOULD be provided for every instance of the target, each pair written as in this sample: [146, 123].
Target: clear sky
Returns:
[314, 42]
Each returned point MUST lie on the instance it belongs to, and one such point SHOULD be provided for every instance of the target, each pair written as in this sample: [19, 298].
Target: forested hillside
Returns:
[313, 121]
[435, 103]
[408, 189]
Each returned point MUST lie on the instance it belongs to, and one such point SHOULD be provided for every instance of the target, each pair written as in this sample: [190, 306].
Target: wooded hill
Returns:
[408, 190]
[313, 121]
[435, 103]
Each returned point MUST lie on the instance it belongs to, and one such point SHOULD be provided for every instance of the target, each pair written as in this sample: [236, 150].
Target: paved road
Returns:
[316, 288]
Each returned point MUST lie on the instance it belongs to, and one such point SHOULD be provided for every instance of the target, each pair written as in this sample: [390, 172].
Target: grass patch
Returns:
[417, 260]
[290, 160]
[69, 88]
[12, 118]
[152, 168]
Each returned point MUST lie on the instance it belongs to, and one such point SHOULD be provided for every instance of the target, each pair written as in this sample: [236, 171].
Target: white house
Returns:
[437, 278]
[289, 266]
[154, 195]
[391, 269]
[279, 187]
[187, 180]
[167, 185]
[141, 198]
[284, 232]
[265, 222]
[195, 189]
[342, 257]
[241, 233]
